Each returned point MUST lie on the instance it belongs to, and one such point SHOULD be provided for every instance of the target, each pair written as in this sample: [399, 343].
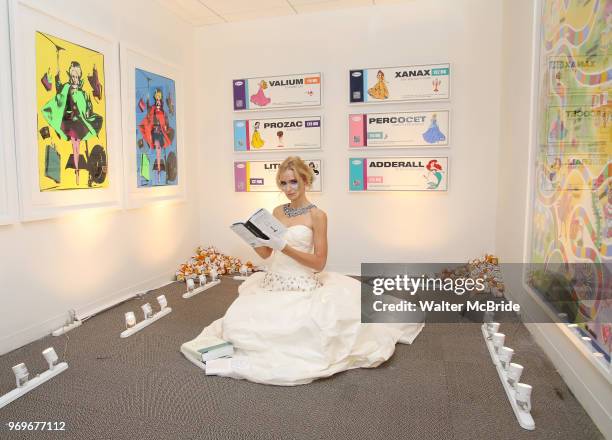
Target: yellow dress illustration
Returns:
[379, 91]
[256, 140]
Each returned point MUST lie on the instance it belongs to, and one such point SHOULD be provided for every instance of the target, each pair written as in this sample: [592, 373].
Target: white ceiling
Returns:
[207, 12]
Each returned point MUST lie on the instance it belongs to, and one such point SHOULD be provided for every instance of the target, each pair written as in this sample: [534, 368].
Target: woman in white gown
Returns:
[291, 325]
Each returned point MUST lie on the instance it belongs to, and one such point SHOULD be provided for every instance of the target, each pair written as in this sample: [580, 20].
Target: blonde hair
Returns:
[299, 167]
[158, 94]
[77, 67]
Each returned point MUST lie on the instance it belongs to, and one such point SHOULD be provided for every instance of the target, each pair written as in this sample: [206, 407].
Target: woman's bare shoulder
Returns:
[278, 210]
[318, 215]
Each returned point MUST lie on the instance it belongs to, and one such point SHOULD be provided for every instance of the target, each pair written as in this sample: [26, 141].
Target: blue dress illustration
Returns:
[433, 134]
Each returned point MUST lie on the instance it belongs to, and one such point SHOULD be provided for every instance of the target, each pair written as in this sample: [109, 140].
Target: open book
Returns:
[262, 225]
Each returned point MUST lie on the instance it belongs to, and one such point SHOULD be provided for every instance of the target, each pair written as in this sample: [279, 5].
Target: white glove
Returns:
[276, 243]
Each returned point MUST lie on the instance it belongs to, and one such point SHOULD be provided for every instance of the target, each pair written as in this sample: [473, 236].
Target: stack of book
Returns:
[208, 348]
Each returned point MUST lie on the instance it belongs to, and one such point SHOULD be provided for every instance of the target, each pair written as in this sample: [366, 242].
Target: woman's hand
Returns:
[276, 243]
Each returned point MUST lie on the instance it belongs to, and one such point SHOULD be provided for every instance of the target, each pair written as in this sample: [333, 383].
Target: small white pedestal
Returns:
[32, 383]
[146, 322]
[201, 289]
[524, 418]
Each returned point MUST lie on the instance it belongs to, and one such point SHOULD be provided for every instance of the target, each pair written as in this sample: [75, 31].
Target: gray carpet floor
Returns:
[443, 386]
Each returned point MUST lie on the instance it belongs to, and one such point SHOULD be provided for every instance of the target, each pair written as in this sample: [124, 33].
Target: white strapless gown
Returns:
[286, 336]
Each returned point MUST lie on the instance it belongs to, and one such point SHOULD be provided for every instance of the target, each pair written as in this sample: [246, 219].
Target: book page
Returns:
[244, 233]
[267, 223]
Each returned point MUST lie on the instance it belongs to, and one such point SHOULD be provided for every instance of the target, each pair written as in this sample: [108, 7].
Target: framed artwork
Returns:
[152, 129]
[274, 92]
[570, 209]
[8, 178]
[260, 175]
[277, 134]
[411, 173]
[426, 82]
[67, 115]
[399, 129]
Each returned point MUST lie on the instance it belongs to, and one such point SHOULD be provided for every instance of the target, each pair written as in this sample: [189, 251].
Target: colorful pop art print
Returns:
[571, 212]
[156, 154]
[71, 103]
[152, 129]
[65, 96]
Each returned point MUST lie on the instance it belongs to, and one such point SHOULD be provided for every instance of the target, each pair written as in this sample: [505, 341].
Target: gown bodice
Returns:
[285, 273]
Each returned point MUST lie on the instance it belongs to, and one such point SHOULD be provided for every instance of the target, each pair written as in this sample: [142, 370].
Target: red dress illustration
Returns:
[155, 131]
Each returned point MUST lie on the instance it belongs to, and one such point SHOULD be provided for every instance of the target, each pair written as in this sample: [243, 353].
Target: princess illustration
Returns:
[156, 131]
[560, 88]
[70, 113]
[259, 98]
[552, 172]
[434, 175]
[433, 134]
[379, 91]
[557, 129]
[256, 140]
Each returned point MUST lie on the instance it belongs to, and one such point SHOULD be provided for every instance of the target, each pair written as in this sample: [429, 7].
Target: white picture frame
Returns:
[134, 196]
[241, 102]
[358, 84]
[8, 176]
[360, 174]
[530, 204]
[409, 135]
[34, 204]
[245, 182]
[241, 134]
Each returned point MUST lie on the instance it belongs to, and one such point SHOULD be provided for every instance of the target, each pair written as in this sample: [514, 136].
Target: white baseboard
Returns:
[124, 294]
[38, 330]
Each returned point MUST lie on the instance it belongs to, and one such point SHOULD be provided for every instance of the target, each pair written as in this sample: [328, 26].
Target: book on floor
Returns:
[261, 225]
[223, 350]
[219, 366]
[207, 348]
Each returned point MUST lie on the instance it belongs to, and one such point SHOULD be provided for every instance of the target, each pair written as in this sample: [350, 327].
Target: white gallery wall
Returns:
[363, 227]
[570, 357]
[89, 259]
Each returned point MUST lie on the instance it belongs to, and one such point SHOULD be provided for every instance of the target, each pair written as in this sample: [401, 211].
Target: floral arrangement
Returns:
[486, 268]
[209, 258]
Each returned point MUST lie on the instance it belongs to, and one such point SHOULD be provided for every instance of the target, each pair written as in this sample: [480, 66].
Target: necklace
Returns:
[294, 212]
